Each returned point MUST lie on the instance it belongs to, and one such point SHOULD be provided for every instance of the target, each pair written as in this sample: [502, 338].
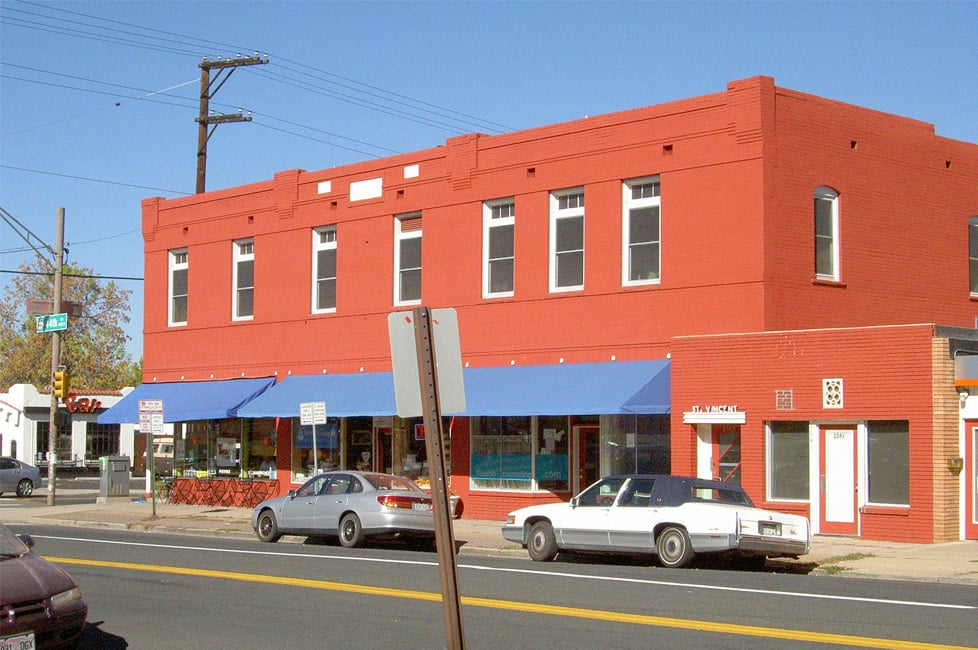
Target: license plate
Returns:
[19, 642]
[421, 506]
[769, 528]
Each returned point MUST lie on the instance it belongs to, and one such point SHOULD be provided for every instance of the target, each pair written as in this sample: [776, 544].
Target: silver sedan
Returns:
[17, 476]
[351, 506]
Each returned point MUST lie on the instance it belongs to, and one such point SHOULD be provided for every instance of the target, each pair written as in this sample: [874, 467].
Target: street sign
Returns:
[51, 323]
[404, 359]
[151, 416]
[312, 413]
[150, 406]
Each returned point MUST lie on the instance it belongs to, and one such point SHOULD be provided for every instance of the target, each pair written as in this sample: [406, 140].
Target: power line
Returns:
[394, 100]
[150, 96]
[94, 180]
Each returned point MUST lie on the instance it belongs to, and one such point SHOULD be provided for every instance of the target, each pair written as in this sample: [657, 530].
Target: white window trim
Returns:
[769, 461]
[398, 238]
[628, 204]
[238, 256]
[555, 215]
[317, 246]
[823, 192]
[176, 266]
[488, 223]
[972, 233]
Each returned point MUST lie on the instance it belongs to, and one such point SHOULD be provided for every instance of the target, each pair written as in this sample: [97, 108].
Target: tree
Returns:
[93, 348]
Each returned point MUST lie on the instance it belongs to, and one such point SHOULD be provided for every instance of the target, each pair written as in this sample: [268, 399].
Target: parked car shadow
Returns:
[705, 562]
[93, 637]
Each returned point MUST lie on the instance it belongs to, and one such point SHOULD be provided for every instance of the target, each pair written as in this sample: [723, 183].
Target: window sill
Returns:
[822, 282]
[886, 511]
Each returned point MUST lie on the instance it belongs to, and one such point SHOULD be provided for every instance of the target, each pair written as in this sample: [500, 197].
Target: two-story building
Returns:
[757, 284]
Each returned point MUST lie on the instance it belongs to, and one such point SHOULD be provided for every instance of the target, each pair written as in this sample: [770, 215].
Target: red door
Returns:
[971, 481]
[838, 486]
[586, 453]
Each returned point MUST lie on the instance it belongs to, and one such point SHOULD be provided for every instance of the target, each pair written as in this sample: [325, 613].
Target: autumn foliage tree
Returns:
[93, 348]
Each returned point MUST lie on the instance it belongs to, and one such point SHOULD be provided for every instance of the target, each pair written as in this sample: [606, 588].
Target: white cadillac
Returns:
[671, 517]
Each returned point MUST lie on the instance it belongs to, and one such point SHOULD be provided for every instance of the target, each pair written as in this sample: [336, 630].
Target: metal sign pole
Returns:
[440, 496]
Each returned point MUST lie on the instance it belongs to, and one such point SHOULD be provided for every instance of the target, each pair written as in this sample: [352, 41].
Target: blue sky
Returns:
[98, 99]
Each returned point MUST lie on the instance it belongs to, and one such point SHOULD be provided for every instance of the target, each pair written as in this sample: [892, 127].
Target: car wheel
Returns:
[673, 547]
[351, 532]
[25, 488]
[542, 545]
[267, 530]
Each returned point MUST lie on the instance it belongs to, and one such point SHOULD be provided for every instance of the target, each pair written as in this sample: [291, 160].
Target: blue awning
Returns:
[346, 395]
[612, 388]
[623, 387]
[184, 401]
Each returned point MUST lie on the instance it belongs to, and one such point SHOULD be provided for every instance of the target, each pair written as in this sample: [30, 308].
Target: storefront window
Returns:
[502, 453]
[62, 444]
[101, 440]
[552, 457]
[788, 460]
[315, 448]
[228, 447]
[410, 453]
[888, 451]
[359, 443]
[259, 448]
[635, 444]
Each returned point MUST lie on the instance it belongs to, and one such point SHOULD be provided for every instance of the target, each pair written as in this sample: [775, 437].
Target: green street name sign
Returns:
[52, 323]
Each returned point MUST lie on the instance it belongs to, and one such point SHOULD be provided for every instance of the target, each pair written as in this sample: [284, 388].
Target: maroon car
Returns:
[40, 604]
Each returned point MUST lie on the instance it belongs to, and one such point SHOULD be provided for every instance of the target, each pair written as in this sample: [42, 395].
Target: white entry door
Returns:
[838, 481]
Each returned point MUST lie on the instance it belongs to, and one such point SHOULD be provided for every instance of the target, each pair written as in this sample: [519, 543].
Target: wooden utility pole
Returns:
[59, 258]
[204, 120]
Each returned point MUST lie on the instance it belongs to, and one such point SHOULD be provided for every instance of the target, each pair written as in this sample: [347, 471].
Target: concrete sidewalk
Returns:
[951, 562]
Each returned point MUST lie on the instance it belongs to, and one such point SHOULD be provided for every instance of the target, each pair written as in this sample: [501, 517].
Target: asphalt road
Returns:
[149, 590]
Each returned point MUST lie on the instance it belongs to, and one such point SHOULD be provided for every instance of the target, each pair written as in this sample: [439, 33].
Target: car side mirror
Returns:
[28, 540]
[573, 502]
[291, 494]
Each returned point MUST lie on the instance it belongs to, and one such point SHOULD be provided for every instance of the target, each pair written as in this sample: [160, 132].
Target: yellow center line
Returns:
[535, 608]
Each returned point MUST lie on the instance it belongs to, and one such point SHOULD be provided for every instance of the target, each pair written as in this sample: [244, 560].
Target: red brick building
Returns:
[757, 284]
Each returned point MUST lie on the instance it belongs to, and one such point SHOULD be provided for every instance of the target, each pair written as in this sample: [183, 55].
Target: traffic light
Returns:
[62, 383]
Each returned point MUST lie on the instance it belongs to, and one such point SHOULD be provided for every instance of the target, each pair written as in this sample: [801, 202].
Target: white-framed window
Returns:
[641, 244]
[788, 461]
[407, 259]
[498, 252]
[888, 462]
[177, 300]
[973, 254]
[567, 240]
[324, 269]
[826, 234]
[244, 279]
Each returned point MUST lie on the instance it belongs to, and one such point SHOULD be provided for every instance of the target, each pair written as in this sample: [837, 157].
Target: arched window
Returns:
[826, 233]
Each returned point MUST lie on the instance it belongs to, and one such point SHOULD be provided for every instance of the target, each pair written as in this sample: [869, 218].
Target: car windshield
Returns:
[10, 544]
[388, 482]
[601, 493]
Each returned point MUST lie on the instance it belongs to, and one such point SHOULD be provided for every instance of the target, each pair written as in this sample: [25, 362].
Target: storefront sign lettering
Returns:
[82, 405]
[715, 408]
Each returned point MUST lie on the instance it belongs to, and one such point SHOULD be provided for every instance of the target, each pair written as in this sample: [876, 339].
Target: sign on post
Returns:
[151, 423]
[404, 359]
[51, 323]
[313, 413]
